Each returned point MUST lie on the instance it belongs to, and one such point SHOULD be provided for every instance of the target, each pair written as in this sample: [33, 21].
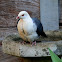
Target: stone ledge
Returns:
[12, 45]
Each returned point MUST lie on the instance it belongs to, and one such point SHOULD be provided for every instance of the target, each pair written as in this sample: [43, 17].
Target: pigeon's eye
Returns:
[23, 15]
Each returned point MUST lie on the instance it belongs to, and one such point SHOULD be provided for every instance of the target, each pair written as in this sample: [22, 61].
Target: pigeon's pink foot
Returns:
[33, 43]
[23, 42]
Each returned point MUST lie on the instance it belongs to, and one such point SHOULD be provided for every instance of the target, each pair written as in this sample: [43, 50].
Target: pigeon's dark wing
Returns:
[39, 27]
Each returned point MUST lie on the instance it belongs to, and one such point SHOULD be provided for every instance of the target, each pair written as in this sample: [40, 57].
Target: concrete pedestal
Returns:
[12, 45]
[49, 14]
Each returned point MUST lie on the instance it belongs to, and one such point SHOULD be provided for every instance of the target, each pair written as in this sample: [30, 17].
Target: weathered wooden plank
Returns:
[7, 13]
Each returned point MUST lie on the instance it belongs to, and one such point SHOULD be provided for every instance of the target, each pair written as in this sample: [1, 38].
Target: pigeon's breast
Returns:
[29, 27]
[27, 30]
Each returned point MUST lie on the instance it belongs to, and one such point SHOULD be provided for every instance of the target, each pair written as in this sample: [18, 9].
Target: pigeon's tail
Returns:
[43, 34]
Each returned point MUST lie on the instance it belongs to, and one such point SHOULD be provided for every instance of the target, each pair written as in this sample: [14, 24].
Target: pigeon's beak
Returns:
[17, 17]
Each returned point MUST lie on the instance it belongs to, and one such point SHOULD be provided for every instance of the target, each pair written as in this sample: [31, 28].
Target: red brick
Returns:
[10, 8]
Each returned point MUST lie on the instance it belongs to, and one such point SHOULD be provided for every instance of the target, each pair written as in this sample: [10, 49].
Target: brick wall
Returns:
[9, 10]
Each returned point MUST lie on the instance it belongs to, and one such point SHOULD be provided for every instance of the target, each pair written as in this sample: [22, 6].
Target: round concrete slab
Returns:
[12, 45]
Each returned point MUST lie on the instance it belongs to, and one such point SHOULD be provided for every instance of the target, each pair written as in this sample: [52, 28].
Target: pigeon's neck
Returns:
[27, 19]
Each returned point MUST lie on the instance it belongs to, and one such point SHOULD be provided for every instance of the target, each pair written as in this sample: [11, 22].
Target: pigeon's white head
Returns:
[22, 15]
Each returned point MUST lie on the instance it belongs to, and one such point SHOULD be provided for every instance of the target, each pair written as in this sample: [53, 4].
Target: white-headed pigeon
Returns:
[29, 28]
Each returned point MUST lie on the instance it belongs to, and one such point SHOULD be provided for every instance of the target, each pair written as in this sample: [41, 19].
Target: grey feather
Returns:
[39, 27]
